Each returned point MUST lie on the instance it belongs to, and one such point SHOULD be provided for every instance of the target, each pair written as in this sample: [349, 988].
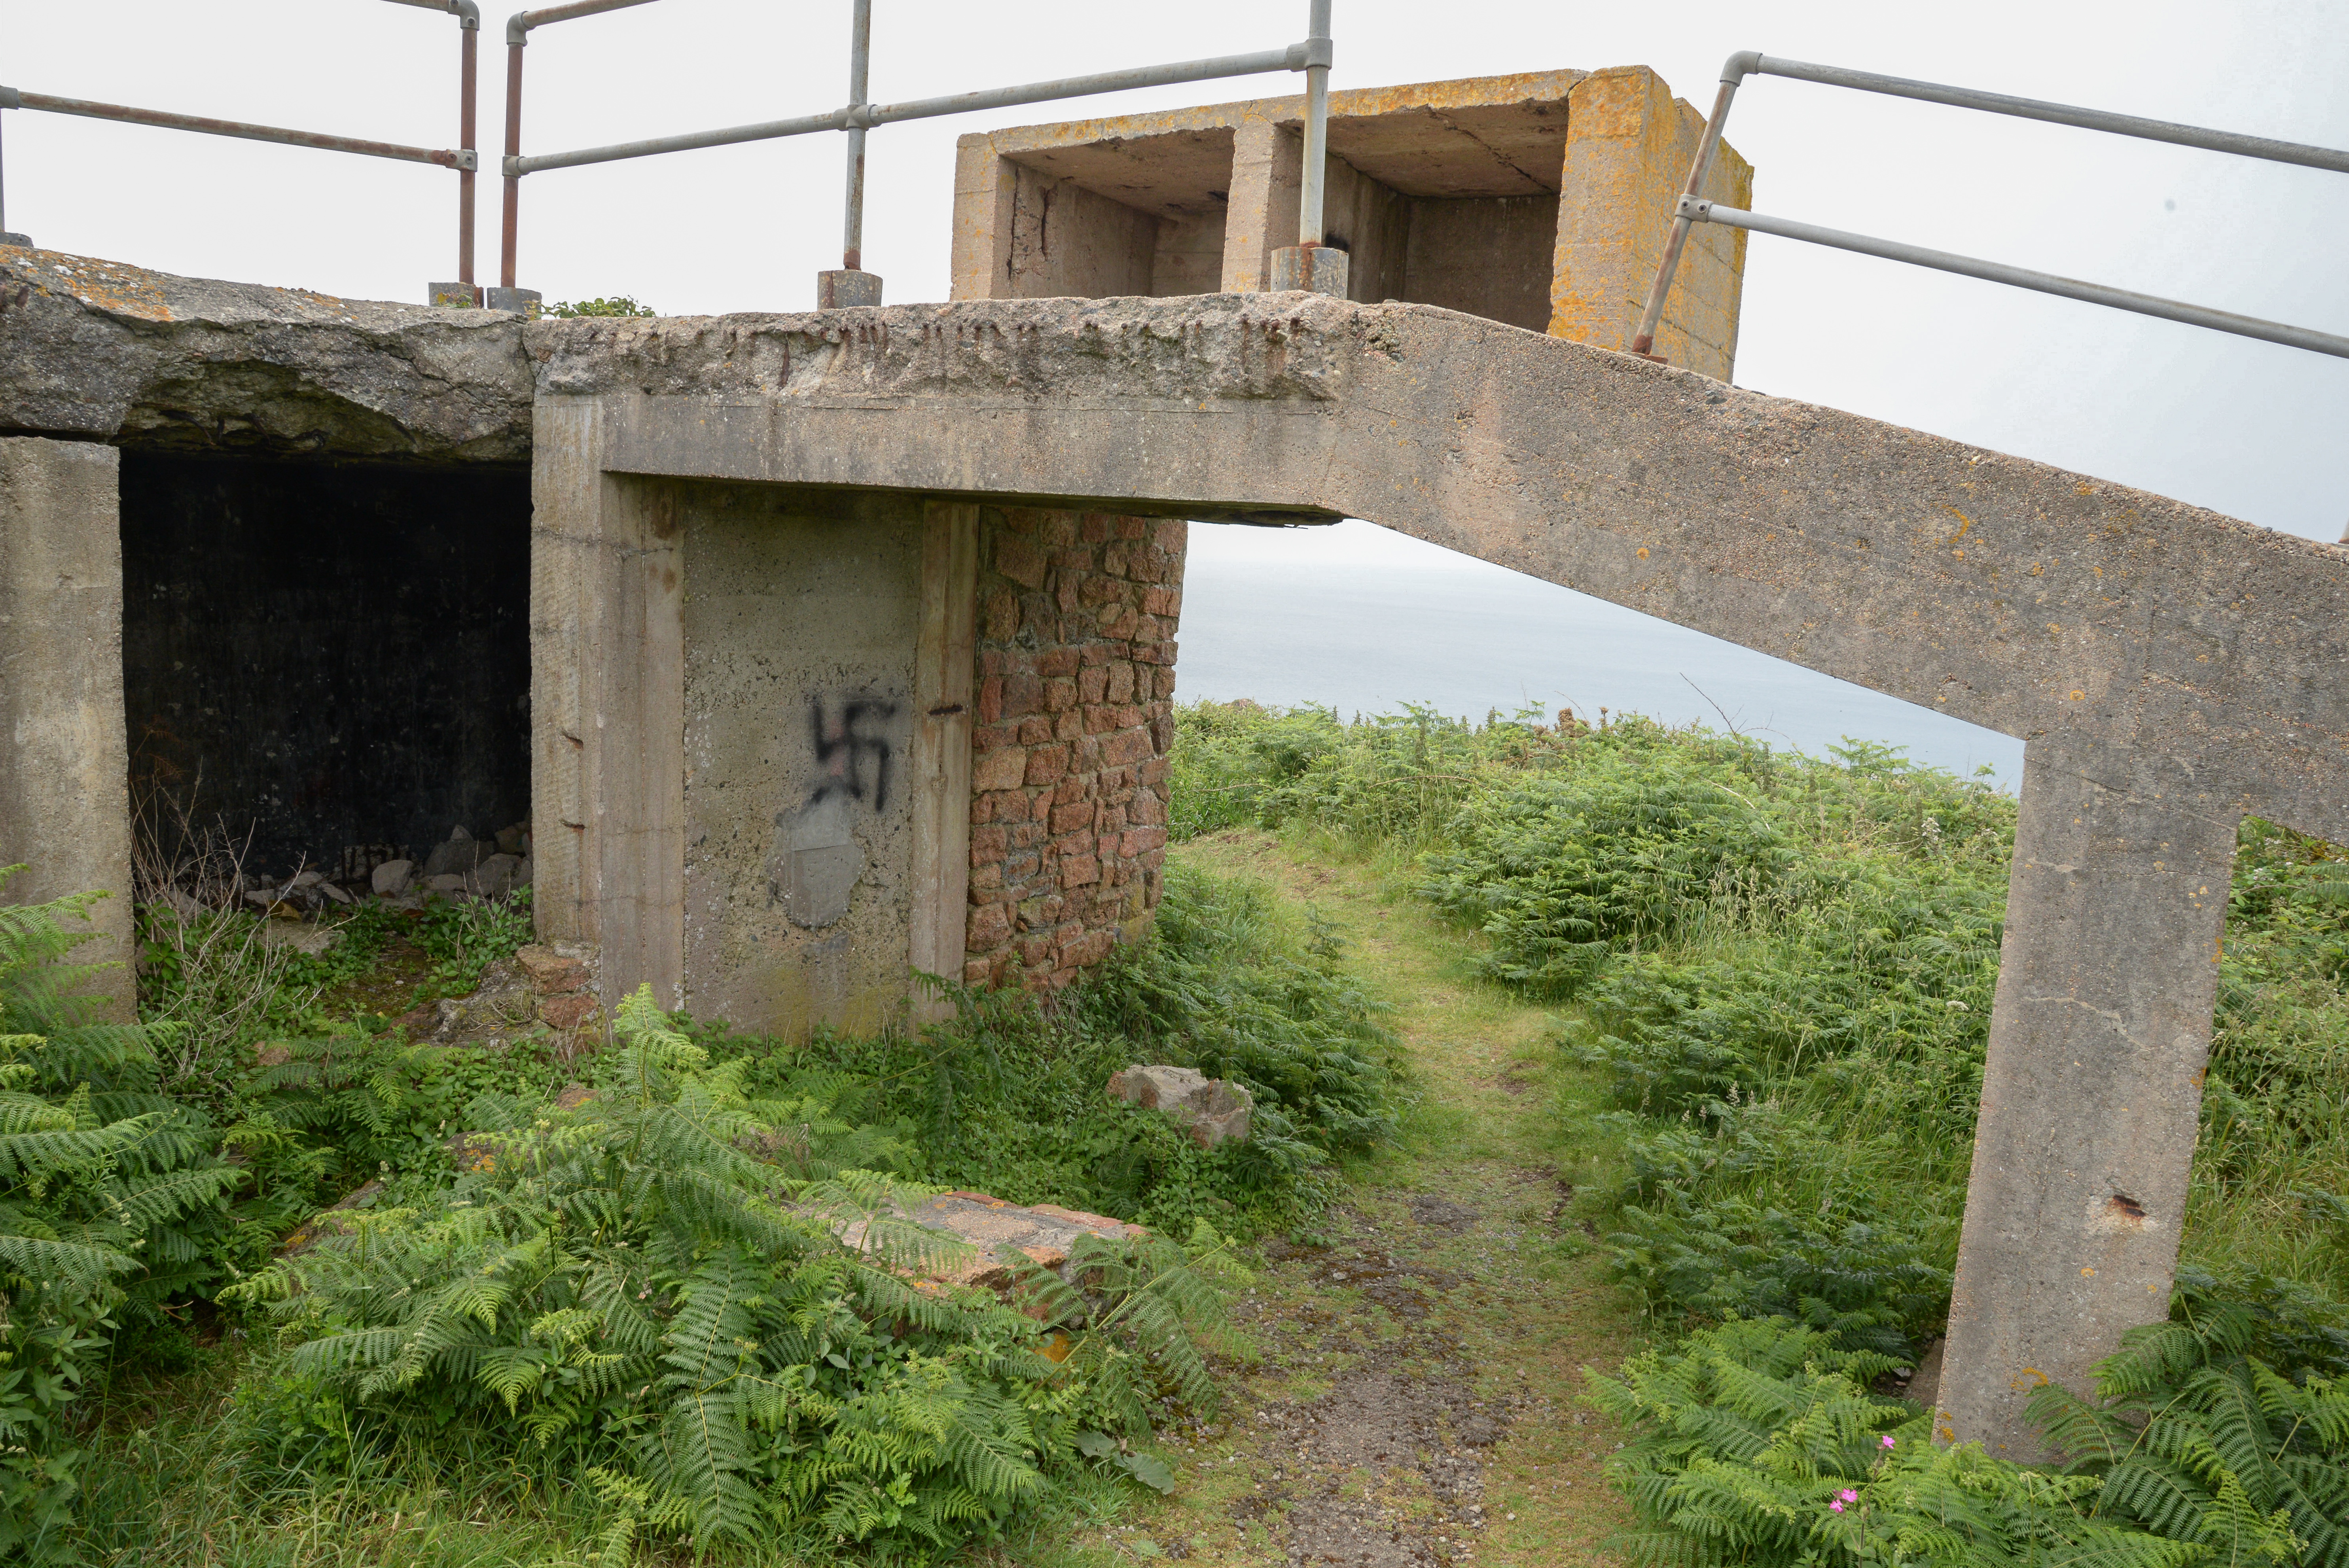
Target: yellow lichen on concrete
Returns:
[1629, 144]
[108, 286]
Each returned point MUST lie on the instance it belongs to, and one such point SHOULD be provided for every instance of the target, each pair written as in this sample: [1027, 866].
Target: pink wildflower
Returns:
[1837, 1505]
[1888, 1439]
[1848, 1495]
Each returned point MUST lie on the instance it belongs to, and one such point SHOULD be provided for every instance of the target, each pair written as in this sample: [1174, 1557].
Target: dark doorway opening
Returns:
[333, 658]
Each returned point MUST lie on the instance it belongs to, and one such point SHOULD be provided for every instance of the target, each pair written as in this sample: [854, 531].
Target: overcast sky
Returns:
[2249, 428]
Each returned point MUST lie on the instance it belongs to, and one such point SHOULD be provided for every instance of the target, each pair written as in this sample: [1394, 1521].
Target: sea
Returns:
[1363, 619]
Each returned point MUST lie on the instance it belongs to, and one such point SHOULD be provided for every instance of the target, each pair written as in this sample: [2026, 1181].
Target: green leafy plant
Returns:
[101, 1180]
[464, 936]
[616, 305]
[651, 1304]
[1757, 1442]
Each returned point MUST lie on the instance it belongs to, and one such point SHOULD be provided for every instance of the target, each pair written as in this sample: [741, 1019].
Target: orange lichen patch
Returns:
[108, 286]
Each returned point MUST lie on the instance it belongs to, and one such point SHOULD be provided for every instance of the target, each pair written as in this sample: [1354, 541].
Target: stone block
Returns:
[1020, 560]
[990, 927]
[1000, 769]
[550, 972]
[567, 1011]
[1212, 1110]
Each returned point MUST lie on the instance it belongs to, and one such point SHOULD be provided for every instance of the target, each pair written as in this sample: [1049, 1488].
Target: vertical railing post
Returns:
[517, 39]
[1312, 227]
[1312, 264]
[6, 237]
[469, 97]
[852, 284]
[1733, 71]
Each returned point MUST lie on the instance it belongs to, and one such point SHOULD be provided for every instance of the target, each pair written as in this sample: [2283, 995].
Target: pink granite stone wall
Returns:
[1077, 613]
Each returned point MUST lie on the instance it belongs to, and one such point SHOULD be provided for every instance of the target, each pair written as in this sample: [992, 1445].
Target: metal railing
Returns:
[461, 157]
[1693, 209]
[853, 285]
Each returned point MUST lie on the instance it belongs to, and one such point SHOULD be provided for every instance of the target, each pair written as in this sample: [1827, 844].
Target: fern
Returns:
[99, 1178]
[733, 1351]
[2197, 1439]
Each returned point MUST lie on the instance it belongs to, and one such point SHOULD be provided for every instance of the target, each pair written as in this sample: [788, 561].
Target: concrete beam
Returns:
[100, 351]
[65, 765]
[2014, 594]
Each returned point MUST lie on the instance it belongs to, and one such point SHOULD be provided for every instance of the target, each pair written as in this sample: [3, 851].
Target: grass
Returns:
[1473, 1295]
[1663, 1027]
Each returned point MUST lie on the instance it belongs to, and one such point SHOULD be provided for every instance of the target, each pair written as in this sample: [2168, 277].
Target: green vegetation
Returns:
[618, 305]
[1780, 969]
[628, 1321]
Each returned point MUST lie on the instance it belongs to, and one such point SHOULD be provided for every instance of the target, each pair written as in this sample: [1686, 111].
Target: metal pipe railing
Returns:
[859, 65]
[1693, 209]
[1312, 226]
[166, 119]
[463, 158]
[1313, 56]
[518, 27]
[2316, 342]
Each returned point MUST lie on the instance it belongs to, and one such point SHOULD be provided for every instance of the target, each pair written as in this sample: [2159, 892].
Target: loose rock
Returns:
[1212, 1109]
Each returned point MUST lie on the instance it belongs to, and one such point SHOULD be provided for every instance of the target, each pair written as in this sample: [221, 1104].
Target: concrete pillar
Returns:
[945, 661]
[985, 184]
[2092, 1089]
[607, 703]
[1268, 180]
[65, 765]
[1629, 146]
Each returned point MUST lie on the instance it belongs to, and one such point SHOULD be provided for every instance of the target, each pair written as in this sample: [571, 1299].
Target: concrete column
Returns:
[944, 664]
[65, 765]
[607, 703]
[985, 181]
[2092, 1089]
[1260, 217]
[1628, 151]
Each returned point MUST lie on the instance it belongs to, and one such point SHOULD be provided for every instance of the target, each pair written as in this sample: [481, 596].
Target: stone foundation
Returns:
[1077, 613]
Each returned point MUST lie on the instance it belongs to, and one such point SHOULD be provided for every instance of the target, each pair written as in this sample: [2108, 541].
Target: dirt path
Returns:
[1408, 1396]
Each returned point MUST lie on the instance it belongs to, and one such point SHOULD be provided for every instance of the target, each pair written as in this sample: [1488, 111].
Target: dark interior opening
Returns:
[332, 657]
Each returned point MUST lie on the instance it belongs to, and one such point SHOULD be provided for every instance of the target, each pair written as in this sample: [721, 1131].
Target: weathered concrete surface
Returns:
[1628, 148]
[1541, 200]
[801, 622]
[65, 765]
[2091, 1090]
[606, 706]
[2011, 594]
[102, 351]
[2171, 668]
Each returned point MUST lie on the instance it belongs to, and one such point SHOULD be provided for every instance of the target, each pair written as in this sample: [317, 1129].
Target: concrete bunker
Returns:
[2169, 670]
[328, 662]
[1537, 200]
